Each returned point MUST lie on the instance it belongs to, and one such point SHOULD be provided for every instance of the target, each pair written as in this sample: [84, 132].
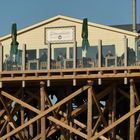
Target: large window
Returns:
[91, 52]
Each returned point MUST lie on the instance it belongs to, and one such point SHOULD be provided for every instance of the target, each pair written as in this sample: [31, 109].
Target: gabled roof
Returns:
[127, 27]
[72, 20]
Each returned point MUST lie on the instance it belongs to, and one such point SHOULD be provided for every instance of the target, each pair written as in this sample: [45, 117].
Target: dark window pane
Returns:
[71, 52]
[19, 57]
[31, 54]
[79, 52]
[43, 53]
[106, 48]
[91, 52]
[58, 52]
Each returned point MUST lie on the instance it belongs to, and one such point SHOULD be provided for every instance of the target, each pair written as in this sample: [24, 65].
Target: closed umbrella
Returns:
[85, 42]
[14, 43]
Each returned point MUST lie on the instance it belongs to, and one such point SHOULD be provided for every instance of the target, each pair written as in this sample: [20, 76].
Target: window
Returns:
[43, 54]
[19, 57]
[59, 52]
[108, 47]
[31, 54]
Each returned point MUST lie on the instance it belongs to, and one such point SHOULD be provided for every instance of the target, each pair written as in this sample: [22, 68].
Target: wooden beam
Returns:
[114, 111]
[3, 128]
[22, 111]
[132, 106]
[48, 101]
[123, 93]
[89, 110]
[47, 111]
[98, 108]
[42, 105]
[135, 93]
[126, 116]
[9, 115]
[67, 127]
[8, 130]
[19, 101]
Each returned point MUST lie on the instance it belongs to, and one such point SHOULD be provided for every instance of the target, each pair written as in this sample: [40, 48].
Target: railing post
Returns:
[125, 51]
[23, 62]
[49, 61]
[74, 59]
[125, 56]
[99, 59]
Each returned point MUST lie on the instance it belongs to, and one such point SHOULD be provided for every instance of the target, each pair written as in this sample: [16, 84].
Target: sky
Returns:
[29, 12]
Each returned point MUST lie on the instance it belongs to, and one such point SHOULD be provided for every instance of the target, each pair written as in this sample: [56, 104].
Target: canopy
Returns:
[85, 42]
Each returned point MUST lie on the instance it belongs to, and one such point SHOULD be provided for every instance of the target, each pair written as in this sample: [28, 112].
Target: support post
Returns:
[49, 61]
[75, 55]
[132, 106]
[42, 105]
[114, 111]
[8, 130]
[69, 111]
[125, 51]
[23, 84]
[89, 110]
[110, 113]
[99, 59]
[23, 62]
[125, 56]
[31, 128]
[74, 59]
[22, 112]
[49, 56]
[100, 53]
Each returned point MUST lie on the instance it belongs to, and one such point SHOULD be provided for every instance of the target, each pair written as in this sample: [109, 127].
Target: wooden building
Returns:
[74, 99]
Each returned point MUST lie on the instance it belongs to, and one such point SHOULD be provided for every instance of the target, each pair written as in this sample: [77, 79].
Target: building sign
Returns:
[60, 34]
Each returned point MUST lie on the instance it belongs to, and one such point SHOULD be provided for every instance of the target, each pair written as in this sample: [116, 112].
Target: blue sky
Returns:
[28, 12]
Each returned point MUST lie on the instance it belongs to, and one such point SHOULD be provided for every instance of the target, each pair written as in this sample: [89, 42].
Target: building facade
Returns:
[36, 39]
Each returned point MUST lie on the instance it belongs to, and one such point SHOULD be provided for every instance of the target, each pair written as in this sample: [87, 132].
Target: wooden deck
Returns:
[89, 110]
[70, 74]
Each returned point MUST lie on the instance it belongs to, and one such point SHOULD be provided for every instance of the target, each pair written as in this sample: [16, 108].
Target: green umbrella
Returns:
[14, 43]
[85, 42]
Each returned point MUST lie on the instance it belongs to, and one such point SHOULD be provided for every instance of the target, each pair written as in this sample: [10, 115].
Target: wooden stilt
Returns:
[9, 115]
[113, 136]
[22, 113]
[132, 106]
[89, 110]
[110, 113]
[31, 128]
[69, 111]
[42, 105]
[8, 130]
